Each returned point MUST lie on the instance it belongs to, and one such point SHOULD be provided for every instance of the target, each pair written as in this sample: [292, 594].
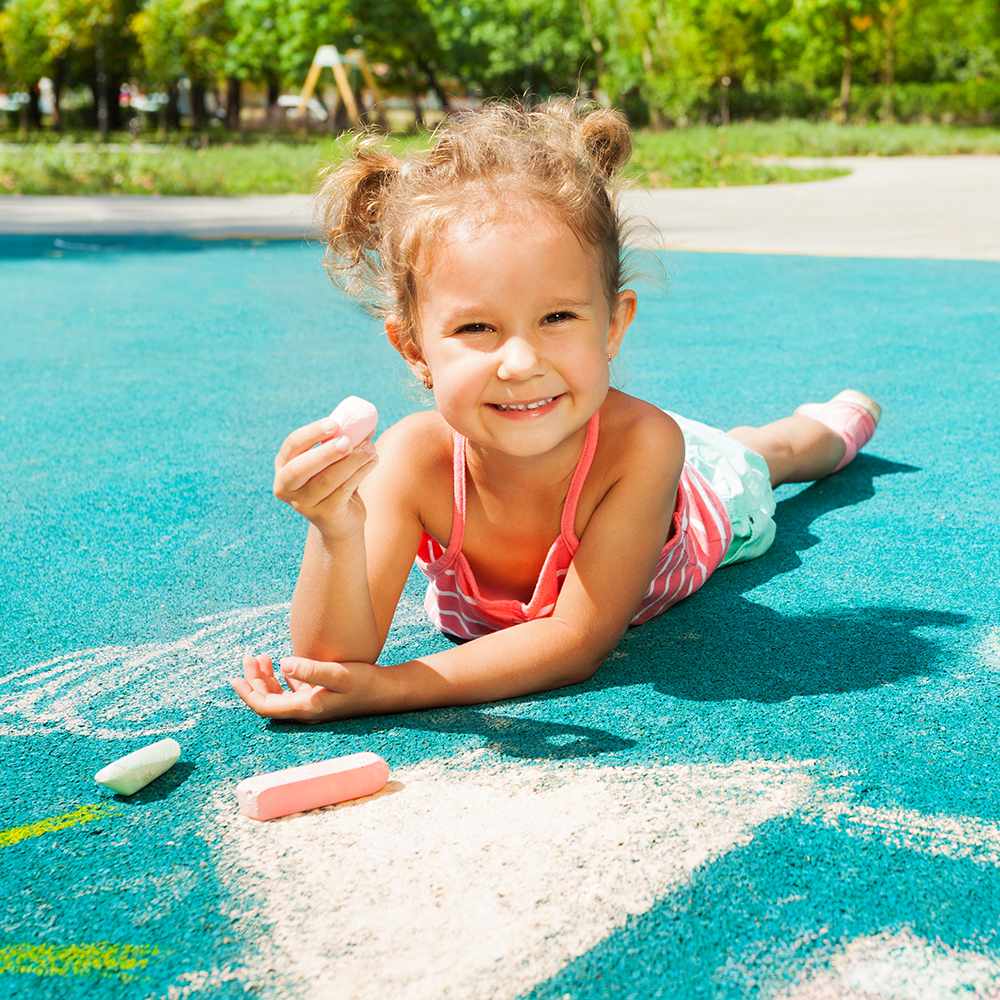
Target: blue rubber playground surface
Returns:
[784, 788]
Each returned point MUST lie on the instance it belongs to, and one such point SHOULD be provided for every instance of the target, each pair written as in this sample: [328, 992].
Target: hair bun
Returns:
[607, 139]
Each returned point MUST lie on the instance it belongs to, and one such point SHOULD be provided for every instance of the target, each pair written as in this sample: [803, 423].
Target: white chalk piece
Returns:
[296, 789]
[356, 418]
[136, 770]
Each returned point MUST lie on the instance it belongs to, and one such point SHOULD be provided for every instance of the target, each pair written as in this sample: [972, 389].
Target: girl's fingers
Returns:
[300, 706]
[299, 442]
[314, 673]
[258, 673]
[333, 458]
[254, 666]
[340, 477]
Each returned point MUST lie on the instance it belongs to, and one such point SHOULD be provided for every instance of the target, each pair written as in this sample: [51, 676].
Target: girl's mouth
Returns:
[509, 407]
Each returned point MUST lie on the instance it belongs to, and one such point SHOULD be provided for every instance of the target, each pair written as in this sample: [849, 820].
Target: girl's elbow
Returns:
[591, 657]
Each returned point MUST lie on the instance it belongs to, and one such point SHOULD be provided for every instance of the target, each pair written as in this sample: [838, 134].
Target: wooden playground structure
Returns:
[329, 56]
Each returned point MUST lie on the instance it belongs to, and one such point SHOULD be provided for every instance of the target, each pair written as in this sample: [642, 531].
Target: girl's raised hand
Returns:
[340, 693]
[317, 472]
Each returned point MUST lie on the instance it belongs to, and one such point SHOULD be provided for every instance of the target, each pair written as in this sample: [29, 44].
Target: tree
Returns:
[845, 24]
[405, 36]
[514, 47]
[253, 52]
[183, 38]
[27, 50]
[92, 37]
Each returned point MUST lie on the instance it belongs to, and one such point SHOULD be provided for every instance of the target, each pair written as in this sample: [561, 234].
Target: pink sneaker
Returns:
[852, 415]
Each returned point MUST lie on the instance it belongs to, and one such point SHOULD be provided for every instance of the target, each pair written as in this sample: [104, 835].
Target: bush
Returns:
[974, 102]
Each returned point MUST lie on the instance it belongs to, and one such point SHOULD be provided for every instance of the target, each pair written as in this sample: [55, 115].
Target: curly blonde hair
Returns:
[379, 213]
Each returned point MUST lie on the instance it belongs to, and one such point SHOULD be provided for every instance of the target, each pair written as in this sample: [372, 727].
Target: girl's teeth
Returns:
[525, 406]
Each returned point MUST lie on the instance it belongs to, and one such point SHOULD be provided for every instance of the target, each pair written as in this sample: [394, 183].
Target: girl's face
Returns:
[515, 329]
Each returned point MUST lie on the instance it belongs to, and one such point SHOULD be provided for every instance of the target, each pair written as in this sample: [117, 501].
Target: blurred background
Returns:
[203, 72]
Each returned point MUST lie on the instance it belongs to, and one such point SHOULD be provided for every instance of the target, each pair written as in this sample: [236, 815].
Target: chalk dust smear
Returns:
[470, 882]
[899, 966]
[116, 692]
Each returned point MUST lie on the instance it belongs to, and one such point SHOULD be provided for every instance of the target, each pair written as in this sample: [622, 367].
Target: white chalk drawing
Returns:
[896, 965]
[116, 692]
[546, 860]
[476, 880]
[989, 650]
[960, 837]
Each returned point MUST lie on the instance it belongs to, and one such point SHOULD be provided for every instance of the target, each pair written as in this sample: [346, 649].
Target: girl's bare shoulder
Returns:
[638, 434]
[422, 440]
[415, 458]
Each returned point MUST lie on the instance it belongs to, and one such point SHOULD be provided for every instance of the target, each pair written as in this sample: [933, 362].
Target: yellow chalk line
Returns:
[102, 957]
[85, 814]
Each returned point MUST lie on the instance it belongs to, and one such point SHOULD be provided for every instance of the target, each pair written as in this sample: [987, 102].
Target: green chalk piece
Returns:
[136, 770]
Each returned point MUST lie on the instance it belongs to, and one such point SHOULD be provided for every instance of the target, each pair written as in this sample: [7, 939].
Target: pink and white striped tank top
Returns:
[699, 538]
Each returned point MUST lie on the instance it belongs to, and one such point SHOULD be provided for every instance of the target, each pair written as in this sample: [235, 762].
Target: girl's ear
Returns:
[625, 309]
[400, 338]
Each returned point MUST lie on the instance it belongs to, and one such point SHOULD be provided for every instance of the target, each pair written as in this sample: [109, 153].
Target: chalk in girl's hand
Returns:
[136, 770]
[296, 789]
[356, 418]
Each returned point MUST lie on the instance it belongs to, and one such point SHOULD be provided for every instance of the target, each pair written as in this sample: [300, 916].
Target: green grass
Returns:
[700, 156]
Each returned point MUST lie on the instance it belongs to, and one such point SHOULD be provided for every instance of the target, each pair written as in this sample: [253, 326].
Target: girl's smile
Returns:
[529, 408]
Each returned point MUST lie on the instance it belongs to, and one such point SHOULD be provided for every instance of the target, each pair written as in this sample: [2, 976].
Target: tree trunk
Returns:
[197, 105]
[58, 79]
[101, 90]
[233, 103]
[889, 69]
[435, 85]
[173, 107]
[595, 42]
[34, 109]
[845, 76]
[273, 90]
[657, 121]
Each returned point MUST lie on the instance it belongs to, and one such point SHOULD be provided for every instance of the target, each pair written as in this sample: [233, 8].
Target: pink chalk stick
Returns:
[356, 418]
[296, 789]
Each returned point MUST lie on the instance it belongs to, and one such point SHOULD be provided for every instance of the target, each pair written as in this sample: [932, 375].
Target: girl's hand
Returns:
[318, 473]
[319, 691]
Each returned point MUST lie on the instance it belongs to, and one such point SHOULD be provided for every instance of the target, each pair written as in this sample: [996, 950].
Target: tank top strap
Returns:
[458, 491]
[567, 524]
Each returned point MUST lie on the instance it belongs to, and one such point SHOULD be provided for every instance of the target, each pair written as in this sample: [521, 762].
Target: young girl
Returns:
[549, 511]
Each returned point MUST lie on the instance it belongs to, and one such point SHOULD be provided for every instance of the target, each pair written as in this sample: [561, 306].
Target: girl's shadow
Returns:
[720, 646]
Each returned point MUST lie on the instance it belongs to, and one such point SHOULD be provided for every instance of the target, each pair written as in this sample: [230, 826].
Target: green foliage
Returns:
[664, 61]
[700, 156]
[253, 50]
[25, 38]
[795, 137]
[182, 38]
[302, 26]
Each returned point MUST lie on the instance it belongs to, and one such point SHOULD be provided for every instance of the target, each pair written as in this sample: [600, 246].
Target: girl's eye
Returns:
[474, 328]
[558, 317]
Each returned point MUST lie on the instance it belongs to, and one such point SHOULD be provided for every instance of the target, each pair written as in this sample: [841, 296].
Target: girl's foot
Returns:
[851, 414]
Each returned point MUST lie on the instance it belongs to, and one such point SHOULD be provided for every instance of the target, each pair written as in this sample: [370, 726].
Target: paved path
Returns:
[915, 206]
[920, 206]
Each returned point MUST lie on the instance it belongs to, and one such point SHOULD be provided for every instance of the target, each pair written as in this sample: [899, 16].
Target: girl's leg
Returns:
[819, 438]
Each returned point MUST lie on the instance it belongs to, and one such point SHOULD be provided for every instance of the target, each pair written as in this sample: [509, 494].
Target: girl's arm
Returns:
[363, 535]
[605, 583]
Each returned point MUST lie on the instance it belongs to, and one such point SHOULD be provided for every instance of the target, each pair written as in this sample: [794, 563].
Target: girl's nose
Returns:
[519, 359]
